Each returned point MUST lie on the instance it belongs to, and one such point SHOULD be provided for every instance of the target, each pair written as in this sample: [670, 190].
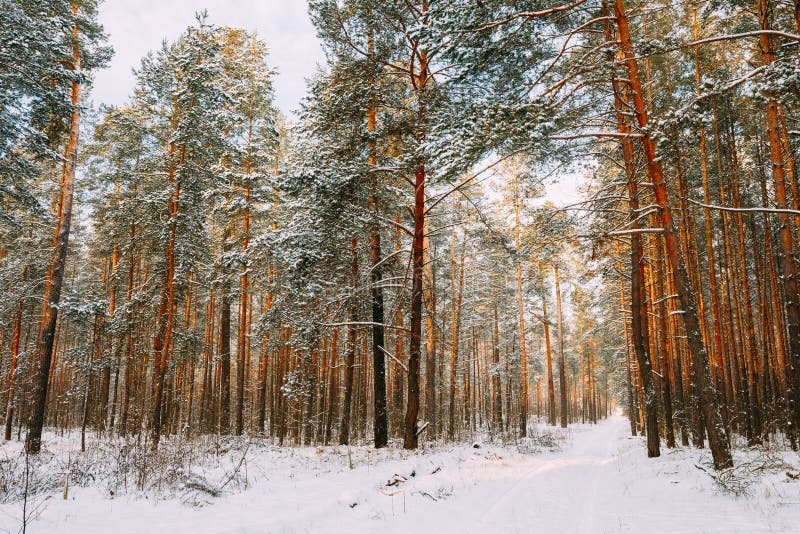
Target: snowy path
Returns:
[557, 493]
[603, 483]
[599, 482]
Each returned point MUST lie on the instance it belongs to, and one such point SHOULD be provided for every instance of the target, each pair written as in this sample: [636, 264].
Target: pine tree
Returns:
[81, 41]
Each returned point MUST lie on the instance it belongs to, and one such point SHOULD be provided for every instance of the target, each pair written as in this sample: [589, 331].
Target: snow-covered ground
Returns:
[587, 480]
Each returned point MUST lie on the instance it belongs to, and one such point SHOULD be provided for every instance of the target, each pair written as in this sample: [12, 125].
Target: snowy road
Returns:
[599, 482]
[603, 482]
[559, 494]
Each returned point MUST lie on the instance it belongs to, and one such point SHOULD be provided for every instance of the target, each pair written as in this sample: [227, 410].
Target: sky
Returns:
[138, 26]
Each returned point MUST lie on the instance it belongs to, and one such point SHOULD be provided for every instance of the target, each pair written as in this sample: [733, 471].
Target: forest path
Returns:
[600, 481]
[555, 492]
[603, 482]
[560, 494]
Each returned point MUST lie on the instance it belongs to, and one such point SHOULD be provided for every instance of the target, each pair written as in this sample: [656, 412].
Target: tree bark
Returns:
[381, 425]
[12, 371]
[523, 403]
[639, 317]
[497, 394]
[718, 442]
[562, 363]
[787, 268]
[350, 356]
[224, 426]
[429, 298]
[419, 81]
[410, 438]
[55, 273]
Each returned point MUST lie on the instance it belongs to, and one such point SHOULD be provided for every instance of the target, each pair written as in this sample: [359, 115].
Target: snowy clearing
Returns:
[598, 481]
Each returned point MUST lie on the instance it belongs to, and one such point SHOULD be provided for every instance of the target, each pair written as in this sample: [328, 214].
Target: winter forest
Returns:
[507, 266]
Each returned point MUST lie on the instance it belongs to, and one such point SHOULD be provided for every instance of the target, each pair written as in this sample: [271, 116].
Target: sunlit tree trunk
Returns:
[419, 81]
[718, 442]
[562, 362]
[224, 426]
[431, 347]
[242, 345]
[12, 371]
[456, 298]
[497, 395]
[551, 390]
[639, 317]
[166, 310]
[56, 268]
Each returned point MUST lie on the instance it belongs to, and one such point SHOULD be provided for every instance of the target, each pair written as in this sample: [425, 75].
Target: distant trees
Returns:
[654, 111]
[308, 281]
[208, 295]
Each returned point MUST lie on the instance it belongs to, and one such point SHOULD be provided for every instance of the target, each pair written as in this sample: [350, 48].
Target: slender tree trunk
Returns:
[166, 310]
[129, 324]
[639, 317]
[87, 388]
[709, 234]
[523, 404]
[429, 297]
[225, 348]
[350, 357]
[662, 311]
[419, 82]
[497, 394]
[242, 339]
[718, 442]
[562, 362]
[787, 268]
[623, 307]
[112, 307]
[397, 376]
[381, 425]
[12, 371]
[55, 273]
[333, 388]
[410, 438]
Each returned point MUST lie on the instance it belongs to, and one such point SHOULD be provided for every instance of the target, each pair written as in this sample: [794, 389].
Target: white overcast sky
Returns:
[138, 26]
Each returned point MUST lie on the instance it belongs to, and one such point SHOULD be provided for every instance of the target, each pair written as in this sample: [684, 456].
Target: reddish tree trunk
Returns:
[718, 442]
[55, 273]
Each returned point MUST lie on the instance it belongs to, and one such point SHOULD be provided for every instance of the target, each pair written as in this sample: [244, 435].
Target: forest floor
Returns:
[588, 479]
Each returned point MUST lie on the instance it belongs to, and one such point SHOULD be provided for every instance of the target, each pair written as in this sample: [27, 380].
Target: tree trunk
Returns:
[523, 403]
[718, 442]
[418, 265]
[350, 357]
[562, 362]
[381, 425]
[225, 348]
[12, 372]
[497, 394]
[639, 319]
[55, 273]
[623, 307]
[243, 323]
[429, 297]
[419, 81]
[457, 295]
[787, 269]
